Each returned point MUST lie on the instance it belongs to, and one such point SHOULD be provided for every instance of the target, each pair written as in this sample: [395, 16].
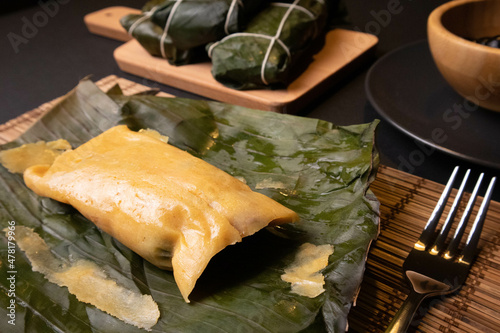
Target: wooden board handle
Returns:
[106, 22]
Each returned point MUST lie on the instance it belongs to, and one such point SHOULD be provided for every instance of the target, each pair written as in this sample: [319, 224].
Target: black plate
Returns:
[406, 88]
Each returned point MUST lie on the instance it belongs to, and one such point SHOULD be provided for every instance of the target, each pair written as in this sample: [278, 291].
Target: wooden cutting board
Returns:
[406, 202]
[344, 50]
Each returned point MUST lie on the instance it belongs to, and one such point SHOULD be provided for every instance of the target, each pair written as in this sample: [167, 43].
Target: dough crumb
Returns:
[305, 272]
[88, 282]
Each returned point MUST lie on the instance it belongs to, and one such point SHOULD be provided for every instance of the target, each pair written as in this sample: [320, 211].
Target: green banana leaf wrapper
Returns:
[191, 25]
[239, 61]
[325, 171]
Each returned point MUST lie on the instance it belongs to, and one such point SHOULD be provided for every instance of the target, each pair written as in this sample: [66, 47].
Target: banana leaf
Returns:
[191, 25]
[268, 53]
[324, 171]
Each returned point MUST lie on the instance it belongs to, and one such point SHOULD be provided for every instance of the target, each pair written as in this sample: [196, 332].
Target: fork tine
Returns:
[453, 246]
[439, 243]
[427, 234]
[477, 227]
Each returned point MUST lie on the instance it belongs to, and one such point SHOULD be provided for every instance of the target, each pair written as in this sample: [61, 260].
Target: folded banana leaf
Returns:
[270, 49]
[179, 29]
[323, 170]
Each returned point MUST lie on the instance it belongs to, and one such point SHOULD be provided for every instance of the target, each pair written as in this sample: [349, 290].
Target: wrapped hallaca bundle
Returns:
[266, 53]
[179, 29]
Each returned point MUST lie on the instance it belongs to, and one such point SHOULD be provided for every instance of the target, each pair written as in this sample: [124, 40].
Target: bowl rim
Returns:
[435, 21]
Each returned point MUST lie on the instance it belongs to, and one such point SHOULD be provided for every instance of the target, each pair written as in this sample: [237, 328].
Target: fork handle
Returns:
[404, 316]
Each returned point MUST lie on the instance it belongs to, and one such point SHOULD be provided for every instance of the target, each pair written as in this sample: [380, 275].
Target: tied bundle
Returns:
[176, 29]
[267, 52]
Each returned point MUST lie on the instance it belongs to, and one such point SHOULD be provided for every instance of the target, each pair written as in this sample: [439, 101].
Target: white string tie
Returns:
[302, 9]
[145, 16]
[249, 34]
[273, 39]
[167, 26]
[230, 13]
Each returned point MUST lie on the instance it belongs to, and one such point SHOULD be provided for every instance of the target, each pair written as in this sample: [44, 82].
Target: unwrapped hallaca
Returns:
[267, 52]
[177, 29]
[173, 209]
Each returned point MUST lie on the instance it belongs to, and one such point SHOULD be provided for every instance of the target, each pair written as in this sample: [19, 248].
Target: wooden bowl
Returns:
[472, 69]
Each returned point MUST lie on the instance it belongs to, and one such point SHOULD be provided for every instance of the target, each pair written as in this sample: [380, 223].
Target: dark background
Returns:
[62, 52]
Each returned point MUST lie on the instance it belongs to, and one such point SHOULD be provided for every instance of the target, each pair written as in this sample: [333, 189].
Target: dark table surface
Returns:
[41, 64]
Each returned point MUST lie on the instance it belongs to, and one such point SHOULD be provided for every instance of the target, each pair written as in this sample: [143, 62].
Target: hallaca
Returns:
[266, 53]
[178, 30]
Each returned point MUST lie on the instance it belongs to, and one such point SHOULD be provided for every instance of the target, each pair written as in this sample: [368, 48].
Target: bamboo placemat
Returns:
[406, 203]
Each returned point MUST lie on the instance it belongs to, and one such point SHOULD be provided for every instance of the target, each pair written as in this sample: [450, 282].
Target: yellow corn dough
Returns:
[173, 209]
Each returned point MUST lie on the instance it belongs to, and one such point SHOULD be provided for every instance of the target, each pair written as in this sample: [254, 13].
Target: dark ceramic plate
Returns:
[406, 88]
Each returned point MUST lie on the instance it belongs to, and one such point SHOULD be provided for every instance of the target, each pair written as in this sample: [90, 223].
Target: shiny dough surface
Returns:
[173, 209]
